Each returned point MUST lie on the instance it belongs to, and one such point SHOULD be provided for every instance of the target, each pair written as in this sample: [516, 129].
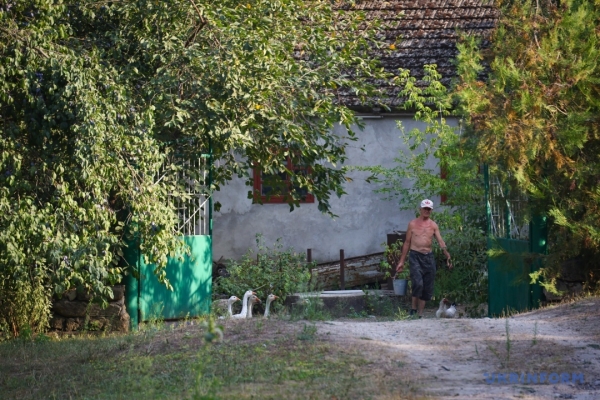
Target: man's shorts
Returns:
[422, 274]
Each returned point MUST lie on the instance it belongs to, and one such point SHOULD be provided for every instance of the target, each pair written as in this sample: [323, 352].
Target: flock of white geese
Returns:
[446, 309]
[248, 302]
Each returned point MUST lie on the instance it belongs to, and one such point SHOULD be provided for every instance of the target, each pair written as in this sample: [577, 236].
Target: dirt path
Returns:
[453, 358]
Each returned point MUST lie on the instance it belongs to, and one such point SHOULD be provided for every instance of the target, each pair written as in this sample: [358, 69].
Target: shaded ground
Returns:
[448, 358]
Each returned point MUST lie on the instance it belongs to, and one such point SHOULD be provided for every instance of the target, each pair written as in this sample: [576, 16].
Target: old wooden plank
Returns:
[358, 271]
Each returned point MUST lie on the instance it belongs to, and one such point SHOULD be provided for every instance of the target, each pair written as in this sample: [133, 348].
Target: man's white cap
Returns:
[427, 203]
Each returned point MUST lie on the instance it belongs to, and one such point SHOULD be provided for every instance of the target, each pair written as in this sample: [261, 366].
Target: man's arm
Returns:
[438, 237]
[405, 248]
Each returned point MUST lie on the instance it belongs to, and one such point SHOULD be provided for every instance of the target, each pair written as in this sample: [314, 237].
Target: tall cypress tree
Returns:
[533, 99]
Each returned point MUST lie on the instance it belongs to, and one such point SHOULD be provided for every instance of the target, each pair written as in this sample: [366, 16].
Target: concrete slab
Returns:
[342, 293]
[338, 302]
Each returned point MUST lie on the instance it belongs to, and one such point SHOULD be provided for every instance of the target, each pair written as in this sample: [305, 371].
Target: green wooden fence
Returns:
[515, 239]
[190, 276]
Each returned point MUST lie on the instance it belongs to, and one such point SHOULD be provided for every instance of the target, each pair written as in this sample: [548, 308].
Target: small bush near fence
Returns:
[266, 270]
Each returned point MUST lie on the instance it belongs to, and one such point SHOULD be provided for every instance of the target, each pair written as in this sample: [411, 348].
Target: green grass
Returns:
[272, 361]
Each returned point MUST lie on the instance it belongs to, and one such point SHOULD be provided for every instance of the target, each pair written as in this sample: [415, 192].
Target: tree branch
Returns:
[198, 27]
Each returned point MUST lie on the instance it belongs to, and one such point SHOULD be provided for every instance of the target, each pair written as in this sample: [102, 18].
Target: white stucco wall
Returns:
[364, 218]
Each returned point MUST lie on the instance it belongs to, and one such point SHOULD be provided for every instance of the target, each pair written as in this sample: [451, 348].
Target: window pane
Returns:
[273, 184]
[277, 187]
[302, 191]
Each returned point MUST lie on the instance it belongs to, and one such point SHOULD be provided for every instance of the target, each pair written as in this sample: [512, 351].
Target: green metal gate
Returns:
[190, 275]
[514, 238]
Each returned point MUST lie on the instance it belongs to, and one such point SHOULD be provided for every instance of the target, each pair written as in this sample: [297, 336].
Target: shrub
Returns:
[267, 270]
[467, 282]
[391, 256]
[24, 307]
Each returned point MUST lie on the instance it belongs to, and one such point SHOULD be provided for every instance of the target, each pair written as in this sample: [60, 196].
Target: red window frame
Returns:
[280, 198]
[444, 176]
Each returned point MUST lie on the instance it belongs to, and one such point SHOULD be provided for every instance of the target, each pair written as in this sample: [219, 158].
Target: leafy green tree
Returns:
[532, 102]
[100, 102]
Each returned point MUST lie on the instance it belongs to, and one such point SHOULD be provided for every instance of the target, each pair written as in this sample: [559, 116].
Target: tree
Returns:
[532, 102]
[97, 97]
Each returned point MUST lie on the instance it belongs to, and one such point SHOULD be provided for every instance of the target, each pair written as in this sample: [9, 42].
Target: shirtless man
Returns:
[419, 240]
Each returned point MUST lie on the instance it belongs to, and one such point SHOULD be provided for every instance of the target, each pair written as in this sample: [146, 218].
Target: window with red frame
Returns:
[275, 188]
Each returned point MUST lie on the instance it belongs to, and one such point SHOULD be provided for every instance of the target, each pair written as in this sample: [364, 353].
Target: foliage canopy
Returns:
[97, 97]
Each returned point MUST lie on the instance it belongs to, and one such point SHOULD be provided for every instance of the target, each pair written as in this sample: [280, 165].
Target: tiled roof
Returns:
[425, 32]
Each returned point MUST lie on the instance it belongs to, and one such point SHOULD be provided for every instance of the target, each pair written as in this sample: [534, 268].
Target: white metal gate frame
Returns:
[193, 205]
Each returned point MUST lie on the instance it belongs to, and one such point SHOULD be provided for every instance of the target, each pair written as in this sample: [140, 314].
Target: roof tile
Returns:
[425, 32]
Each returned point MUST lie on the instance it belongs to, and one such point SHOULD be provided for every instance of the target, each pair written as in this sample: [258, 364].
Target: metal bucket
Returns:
[400, 287]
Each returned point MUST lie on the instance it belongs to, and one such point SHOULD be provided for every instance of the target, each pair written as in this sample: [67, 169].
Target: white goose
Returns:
[230, 302]
[270, 298]
[244, 311]
[251, 302]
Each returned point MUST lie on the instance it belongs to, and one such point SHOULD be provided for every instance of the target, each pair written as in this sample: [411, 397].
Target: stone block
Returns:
[97, 324]
[550, 296]
[68, 308]
[84, 295]
[73, 315]
[572, 271]
[120, 324]
[96, 310]
[576, 288]
[565, 288]
[73, 324]
[57, 323]
[342, 305]
[118, 292]
[70, 294]
[337, 302]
